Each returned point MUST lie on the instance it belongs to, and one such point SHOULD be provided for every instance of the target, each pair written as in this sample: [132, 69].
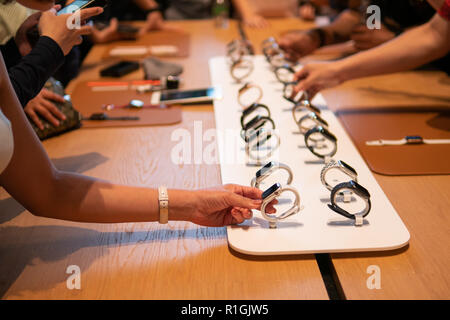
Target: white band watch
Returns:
[407, 140]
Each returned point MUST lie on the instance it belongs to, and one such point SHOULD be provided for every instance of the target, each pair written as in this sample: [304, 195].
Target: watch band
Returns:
[304, 104]
[293, 210]
[268, 170]
[255, 124]
[241, 64]
[407, 140]
[163, 198]
[358, 190]
[339, 165]
[236, 49]
[314, 119]
[247, 87]
[252, 108]
[312, 143]
[283, 72]
[257, 139]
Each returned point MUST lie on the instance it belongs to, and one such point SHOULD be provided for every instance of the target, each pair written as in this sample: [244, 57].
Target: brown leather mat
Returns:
[394, 123]
[88, 100]
[178, 39]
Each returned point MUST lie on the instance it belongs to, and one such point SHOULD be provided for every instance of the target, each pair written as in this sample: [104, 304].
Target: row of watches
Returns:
[337, 190]
[241, 67]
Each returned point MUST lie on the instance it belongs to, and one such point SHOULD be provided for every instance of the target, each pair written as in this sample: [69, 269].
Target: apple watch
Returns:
[270, 50]
[407, 140]
[247, 88]
[277, 60]
[321, 142]
[241, 69]
[256, 123]
[357, 190]
[236, 49]
[268, 42]
[309, 121]
[274, 192]
[250, 110]
[304, 105]
[255, 140]
[285, 74]
[337, 165]
[268, 170]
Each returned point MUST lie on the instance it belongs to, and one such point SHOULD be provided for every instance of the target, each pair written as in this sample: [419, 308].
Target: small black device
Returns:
[82, 4]
[271, 190]
[119, 69]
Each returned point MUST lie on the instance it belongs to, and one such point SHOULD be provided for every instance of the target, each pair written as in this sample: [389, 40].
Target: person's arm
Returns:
[297, 44]
[248, 14]
[436, 4]
[33, 181]
[414, 48]
[30, 74]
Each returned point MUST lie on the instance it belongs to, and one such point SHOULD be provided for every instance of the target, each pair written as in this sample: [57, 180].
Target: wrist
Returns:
[182, 204]
[318, 37]
[342, 70]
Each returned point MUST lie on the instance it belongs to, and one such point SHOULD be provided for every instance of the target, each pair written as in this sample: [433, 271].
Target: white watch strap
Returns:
[163, 197]
[416, 140]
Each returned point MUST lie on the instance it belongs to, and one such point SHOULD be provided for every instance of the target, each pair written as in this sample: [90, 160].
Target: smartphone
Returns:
[119, 69]
[187, 96]
[82, 4]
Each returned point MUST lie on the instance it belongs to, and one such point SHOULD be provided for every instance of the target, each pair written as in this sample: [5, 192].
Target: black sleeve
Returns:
[10, 52]
[30, 74]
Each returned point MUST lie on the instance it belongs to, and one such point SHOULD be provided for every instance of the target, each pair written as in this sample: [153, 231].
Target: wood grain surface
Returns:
[144, 260]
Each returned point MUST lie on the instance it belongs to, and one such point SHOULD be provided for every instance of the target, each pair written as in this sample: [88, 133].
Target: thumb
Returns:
[113, 24]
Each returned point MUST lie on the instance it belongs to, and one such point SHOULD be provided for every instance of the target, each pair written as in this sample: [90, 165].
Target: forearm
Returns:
[30, 74]
[340, 30]
[410, 50]
[84, 199]
[146, 4]
[244, 8]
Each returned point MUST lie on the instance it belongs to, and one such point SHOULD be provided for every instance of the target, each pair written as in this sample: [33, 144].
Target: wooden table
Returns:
[184, 261]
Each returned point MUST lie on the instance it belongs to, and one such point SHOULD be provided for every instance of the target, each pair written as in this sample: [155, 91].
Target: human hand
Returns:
[298, 44]
[155, 21]
[226, 205]
[21, 38]
[108, 34]
[314, 77]
[256, 21]
[60, 28]
[365, 38]
[307, 12]
[42, 105]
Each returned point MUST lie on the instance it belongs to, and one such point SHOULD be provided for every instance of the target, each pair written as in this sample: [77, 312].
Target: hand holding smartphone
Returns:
[82, 4]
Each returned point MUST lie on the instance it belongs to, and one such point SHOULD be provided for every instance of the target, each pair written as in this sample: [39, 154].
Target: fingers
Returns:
[87, 13]
[236, 200]
[85, 30]
[49, 95]
[43, 110]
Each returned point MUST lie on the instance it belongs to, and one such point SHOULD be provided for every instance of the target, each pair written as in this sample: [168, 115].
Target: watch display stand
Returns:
[317, 229]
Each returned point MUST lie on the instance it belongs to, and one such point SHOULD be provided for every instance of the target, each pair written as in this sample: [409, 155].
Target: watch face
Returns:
[348, 167]
[271, 190]
[255, 123]
[265, 169]
[361, 190]
[327, 134]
